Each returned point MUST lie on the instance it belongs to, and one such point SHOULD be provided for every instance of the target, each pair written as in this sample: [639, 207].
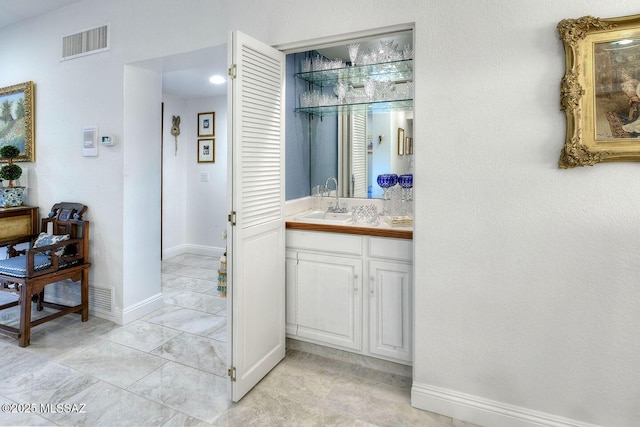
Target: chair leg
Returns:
[25, 316]
[84, 294]
[40, 300]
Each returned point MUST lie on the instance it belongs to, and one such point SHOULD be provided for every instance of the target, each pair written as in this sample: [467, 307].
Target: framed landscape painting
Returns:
[17, 119]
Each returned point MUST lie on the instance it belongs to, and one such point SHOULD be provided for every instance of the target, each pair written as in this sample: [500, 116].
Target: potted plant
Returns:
[10, 196]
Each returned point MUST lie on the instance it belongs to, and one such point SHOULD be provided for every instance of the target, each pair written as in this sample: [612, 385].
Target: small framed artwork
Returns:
[206, 150]
[17, 120]
[408, 146]
[206, 124]
[600, 90]
[401, 142]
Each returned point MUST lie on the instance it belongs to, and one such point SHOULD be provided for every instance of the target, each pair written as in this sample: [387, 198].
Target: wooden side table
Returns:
[18, 224]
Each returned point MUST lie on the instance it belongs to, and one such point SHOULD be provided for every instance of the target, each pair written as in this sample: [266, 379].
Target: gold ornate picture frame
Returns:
[17, 120]
[600, 90]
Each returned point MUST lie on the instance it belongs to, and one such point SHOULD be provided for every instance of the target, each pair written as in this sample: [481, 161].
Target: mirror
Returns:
[354, 148]
[370, 145]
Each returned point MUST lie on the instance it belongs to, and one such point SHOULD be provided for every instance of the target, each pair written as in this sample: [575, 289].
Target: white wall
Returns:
[194, 212]
[174, 178]
[207, 201]
[141, 290]
[526, 296]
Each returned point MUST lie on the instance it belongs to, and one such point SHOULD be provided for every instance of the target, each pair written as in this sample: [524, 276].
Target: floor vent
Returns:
[88, 42]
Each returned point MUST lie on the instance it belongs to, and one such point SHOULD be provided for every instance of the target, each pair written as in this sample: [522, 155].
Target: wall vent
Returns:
[101, 299]
[87, 42]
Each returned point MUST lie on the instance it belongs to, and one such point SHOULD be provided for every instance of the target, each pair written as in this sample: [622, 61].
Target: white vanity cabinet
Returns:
[390, 298]
[350, 292]
[329, 299]
[324, 288]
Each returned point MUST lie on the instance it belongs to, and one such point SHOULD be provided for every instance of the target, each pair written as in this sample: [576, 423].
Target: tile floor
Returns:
[169, 369]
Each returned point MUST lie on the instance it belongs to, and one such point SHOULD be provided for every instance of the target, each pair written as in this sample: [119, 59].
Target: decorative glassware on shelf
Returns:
[386, 181]
[340, 89]
[353, 52]
[370, 89]
[407, 52]
[406, 182]
[375, 71]
[306, 65]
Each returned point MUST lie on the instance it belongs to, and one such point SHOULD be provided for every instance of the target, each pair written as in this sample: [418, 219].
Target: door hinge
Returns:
[232, 218]
[232, 373]
[232, 71]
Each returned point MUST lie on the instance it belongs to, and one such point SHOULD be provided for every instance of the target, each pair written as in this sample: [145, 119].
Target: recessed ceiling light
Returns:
[217, 79]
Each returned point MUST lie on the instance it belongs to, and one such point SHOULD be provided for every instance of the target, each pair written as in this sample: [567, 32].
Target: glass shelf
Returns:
[360, 108]
[395, 71]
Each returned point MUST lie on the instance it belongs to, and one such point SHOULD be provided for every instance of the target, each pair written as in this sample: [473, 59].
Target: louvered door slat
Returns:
[261, 133]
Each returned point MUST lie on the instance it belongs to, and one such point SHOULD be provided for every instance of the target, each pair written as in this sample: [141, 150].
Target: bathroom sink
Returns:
[321, 216]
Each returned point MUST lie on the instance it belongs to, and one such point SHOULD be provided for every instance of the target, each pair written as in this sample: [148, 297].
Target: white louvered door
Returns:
[256, 243]
[358, 131]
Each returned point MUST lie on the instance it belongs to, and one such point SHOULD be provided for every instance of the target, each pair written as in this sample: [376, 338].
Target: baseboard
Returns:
[193, 249]
[136, 311]
[481, 411]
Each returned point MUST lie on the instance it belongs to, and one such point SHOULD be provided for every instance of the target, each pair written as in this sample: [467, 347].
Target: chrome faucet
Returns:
[337, 207]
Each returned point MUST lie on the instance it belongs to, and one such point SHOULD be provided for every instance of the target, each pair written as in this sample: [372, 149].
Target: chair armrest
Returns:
[56, 261]
[11, 247]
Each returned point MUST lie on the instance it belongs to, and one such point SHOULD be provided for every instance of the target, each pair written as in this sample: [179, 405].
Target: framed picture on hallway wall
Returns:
[600, 90]
[206, 150]
[17, 120]
[206, 124]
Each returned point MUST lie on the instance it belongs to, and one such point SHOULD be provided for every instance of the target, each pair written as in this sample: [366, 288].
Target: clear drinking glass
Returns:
[306, 65]
[370, 89]
[407, 52]
[340, 89]
[353, 52]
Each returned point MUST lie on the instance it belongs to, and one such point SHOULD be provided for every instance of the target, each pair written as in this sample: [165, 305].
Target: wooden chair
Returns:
[58, 253]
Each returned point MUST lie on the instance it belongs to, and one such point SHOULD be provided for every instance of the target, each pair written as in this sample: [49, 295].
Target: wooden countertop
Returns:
[398, 233]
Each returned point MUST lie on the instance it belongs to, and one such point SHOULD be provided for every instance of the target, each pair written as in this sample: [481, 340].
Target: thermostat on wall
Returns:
[107, 140]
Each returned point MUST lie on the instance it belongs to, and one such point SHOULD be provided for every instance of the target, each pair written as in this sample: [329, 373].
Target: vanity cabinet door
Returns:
[291, 266]
[390, 288]
[329, 299]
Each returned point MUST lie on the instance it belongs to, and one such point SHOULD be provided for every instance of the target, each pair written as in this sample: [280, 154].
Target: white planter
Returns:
[11, 196]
